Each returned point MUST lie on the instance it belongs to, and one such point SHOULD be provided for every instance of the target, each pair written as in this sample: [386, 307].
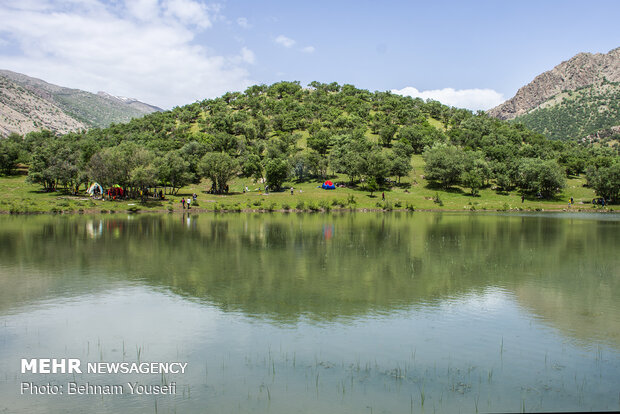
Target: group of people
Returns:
[188, 202]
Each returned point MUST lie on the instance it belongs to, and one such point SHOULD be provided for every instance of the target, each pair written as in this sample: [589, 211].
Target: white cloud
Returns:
[243, 22]
[247, 55]
[473, 99]
[146, 10]
[93, 45]
[308, 49]
[285, 41]
[188, 12]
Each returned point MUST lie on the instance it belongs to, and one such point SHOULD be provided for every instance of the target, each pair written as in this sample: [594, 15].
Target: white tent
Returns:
[93, 187]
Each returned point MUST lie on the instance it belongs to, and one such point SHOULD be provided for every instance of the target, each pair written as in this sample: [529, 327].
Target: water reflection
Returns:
[324, 267]
[319, 313]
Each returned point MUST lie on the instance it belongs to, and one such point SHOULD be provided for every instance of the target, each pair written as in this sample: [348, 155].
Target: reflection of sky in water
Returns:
[452, 347]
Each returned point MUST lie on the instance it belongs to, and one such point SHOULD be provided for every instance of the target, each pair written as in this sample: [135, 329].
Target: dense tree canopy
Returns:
[284, 131]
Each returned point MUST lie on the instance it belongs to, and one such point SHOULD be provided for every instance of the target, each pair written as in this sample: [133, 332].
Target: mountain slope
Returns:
[85, 109]
[576, 114]
[584, 69]
[23, 111]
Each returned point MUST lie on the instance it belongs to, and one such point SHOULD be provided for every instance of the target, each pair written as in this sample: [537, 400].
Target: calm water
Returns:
[352, 313]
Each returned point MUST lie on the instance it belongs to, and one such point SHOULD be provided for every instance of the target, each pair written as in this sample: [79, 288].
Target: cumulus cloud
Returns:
[285, 41]
[473, 99]
[308, 49]
[141, 48]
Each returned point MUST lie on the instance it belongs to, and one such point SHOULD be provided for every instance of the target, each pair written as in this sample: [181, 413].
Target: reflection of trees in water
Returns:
[285, 266]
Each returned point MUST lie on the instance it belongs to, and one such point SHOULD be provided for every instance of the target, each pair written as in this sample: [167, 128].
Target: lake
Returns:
[317, 313]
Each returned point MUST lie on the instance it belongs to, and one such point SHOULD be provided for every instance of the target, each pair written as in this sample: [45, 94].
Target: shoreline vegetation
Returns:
[320, 148]
[21, 197]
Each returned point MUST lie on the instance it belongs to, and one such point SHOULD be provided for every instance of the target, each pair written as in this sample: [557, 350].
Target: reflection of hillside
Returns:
[587, 316]
[319, 266]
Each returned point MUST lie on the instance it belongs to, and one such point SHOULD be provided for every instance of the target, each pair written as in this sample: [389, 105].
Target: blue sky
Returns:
[172, 52]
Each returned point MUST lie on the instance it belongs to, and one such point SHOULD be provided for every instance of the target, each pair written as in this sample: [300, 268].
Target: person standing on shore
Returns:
[183, 203]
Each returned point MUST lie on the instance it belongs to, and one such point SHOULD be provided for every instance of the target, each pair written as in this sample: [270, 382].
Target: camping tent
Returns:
[115, 191]
[328, 185]
[94, 188]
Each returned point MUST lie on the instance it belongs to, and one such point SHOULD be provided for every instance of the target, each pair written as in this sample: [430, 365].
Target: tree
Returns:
[444, 164]
[418, 136]
[551, 178]
[104, 167]
[400, 165]
[219, 167]
[545, 177]
[320, 142]
[476, 171]
[9, 154]
[472, 180]
[276, 172]
[377, 166]
[371, 185]
[252, 167]
[387, 134]
[300, 166]
[173, 171]
[54, 163]
[317, 164]
[605, 181]
[142, 177]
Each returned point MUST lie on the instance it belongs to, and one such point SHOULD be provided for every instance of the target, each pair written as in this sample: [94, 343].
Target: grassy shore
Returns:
[414, 193]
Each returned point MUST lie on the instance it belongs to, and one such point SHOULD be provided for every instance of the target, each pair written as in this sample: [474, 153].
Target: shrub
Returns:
[437, 200]
[312, 206]
[351, 199]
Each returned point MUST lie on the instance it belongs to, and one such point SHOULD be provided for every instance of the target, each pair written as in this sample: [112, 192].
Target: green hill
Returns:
[285, 135]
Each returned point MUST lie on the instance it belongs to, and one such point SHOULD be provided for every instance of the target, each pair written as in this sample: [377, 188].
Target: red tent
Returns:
[115, 191]
[329, 183]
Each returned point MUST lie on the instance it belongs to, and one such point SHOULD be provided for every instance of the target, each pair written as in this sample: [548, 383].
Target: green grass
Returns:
[18, 196]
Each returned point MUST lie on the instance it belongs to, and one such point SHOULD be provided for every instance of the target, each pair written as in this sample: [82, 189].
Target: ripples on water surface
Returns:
[318, 313]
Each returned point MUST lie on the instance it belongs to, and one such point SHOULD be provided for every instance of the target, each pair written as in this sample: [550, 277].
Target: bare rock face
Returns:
[29, 104]
[582, 70]
[22, 111]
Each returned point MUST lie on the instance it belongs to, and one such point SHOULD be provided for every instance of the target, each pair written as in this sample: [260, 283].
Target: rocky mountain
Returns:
[590, 110]
[582, 70]
[29, 104]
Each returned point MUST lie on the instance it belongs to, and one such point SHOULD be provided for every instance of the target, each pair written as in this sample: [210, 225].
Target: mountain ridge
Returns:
[30, 104]
[581, 70]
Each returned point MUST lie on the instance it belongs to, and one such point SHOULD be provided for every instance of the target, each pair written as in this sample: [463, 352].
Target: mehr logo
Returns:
[51, 366]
